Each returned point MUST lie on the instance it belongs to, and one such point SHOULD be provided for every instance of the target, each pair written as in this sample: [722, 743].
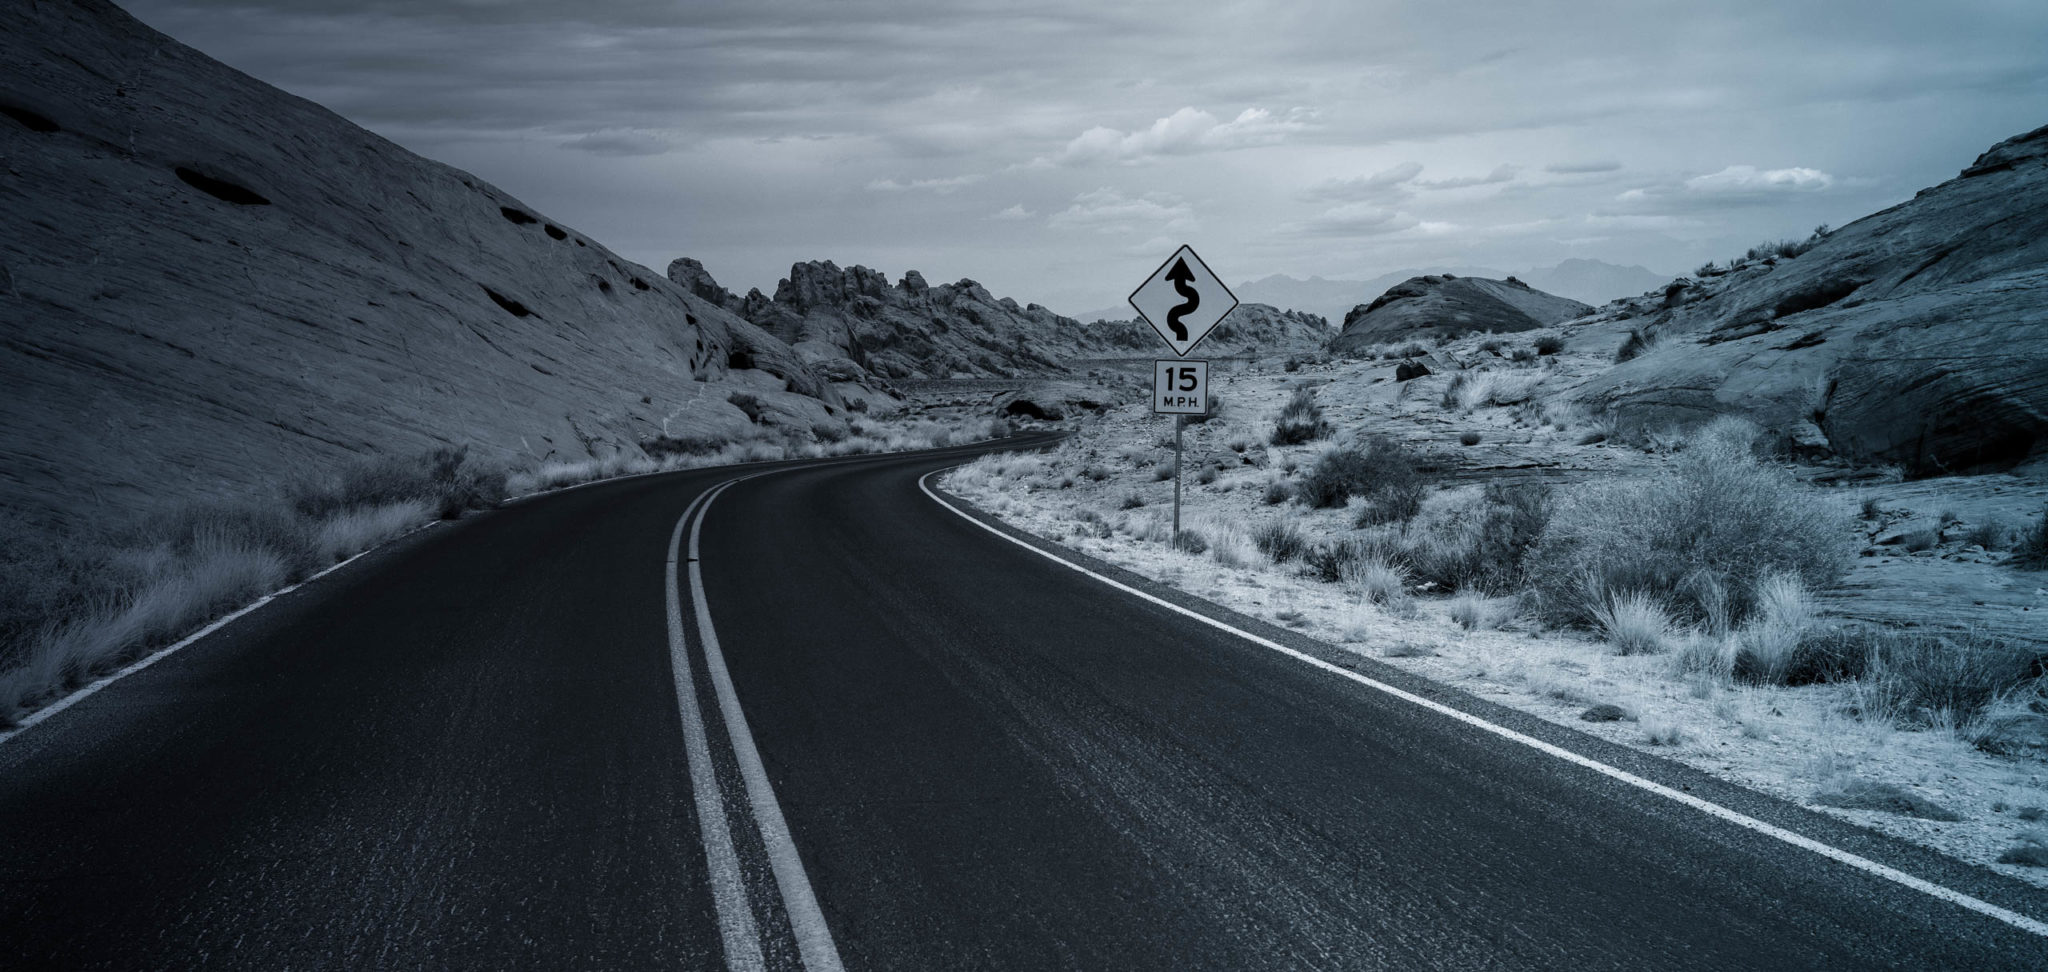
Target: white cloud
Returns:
[1106, 210]
[1387, 183]
[1582, 168]
[1185, 131]
[1013, 213]
[941, 186]
[1746, 179]
[623, 142]
[1357, 219]
[1500, 173]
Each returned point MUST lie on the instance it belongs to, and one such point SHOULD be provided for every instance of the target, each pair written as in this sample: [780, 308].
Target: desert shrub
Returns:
[1521, 355]
[1279, 540]
[748, 404]
[1301, 420]
[1476, 539]
[1377, 469]
[1919, 540]
[446, 479]
[1770, 648]
[1549, 344]
[1707, 269]
[1410, 350]
[1378, 579]
[1327, 561]
[1164, 471]
[1190, 541]
[1990, 534]
[1490, 345]
[1131, 501]
[1633, 622]
[1277, 491]
[662, 447]
[1468, 437]
[1870, 509]
[1952, 678]
[1639, 341]
[2032, 548]
[1216, 410]
[1714, 510]
[1475, 612]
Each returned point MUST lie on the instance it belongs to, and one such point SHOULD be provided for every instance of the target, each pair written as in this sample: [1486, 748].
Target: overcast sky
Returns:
[1057, 152]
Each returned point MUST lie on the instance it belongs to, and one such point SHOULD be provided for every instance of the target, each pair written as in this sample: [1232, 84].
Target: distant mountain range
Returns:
[1591, 281]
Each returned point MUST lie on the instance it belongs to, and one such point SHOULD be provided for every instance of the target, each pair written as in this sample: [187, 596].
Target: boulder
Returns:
[1444, 304]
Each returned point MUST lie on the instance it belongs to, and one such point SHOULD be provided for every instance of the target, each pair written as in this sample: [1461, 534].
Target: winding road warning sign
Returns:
[1183, 300]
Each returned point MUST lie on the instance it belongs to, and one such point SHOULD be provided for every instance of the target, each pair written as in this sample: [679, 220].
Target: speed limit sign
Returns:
[1180, 387]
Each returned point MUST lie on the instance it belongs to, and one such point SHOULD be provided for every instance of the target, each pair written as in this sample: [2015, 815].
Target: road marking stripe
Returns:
[1886, 872]
[722, 861]
[813, 937]
[32, 719]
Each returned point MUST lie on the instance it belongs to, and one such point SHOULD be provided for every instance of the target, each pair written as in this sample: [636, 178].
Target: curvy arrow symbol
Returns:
[1183, 284]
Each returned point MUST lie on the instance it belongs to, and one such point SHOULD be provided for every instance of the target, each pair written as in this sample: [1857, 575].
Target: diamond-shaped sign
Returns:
[1183, 300]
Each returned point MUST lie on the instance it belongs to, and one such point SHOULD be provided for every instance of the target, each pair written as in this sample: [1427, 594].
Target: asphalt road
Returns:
[468, 751]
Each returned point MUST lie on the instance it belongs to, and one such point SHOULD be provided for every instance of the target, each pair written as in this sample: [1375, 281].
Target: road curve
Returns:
[469, 751]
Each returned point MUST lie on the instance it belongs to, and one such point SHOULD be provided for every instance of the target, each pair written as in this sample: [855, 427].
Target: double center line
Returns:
[736, 927]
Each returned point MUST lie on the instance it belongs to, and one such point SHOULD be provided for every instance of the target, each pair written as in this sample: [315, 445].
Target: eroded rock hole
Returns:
[517, 216]
[33, 121]
[554, 231]
[221, 189]
[513, 307]
[639, 284]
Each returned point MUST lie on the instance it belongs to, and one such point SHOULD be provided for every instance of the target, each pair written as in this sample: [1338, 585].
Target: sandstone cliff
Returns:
[207, 284]
[1445, 304]
[1917, 335]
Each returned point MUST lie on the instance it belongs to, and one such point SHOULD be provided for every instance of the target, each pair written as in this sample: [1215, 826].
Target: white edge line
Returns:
[722, 861]
[1886, 872]
[815, 947]
[31, 720]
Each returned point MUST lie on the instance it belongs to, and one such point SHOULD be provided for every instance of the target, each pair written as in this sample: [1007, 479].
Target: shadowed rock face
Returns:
[1917, 335]
[210, 284]
[1436, 304]
[854, 322]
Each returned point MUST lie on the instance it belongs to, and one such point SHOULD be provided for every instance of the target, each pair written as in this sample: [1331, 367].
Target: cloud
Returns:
[1582, 168]
[1356, 219]
[1385, 184]
[1748, 179]
[1500, 173]
[1184, 132]
[1108, 211]
[1732, 187]
[1013, 213]
[623, 142]
[941, 186]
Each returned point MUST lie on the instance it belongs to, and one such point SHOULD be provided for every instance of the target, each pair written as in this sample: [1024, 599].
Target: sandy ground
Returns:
[1794, 743]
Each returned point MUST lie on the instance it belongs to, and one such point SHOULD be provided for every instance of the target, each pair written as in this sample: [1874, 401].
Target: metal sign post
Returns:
[1183, 301]
[1180, 389]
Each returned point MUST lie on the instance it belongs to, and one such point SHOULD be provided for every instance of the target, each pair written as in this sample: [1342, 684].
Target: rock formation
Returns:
[1445, 304]
[852, 323]
[1917, 335]
[207, 284]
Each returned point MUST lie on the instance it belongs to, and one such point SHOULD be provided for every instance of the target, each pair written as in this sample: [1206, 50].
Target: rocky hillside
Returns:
[853, 323]
[1254, 329]
[207, 284]
[1917, 335]
[1446, 304]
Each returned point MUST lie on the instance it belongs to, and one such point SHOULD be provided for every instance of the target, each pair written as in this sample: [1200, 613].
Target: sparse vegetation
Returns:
[1280, 541]
[1716, 511]
[1633, 622]
[1639, 341]
[1301, 420]
[1859, 794]
[1378, 470]
[1549, 344]
[2032, 549]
